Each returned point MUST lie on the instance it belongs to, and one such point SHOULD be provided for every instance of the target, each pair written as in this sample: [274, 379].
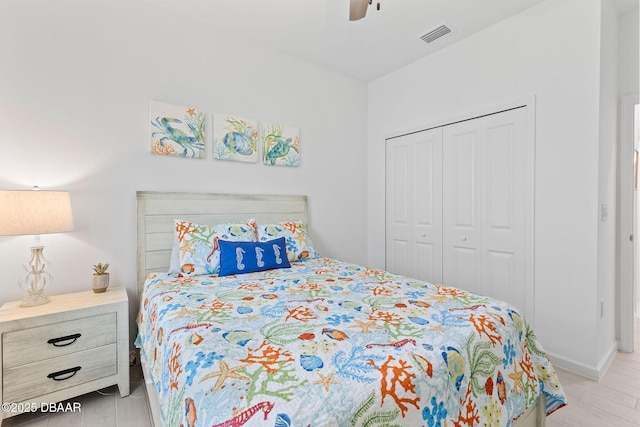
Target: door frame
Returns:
[625, 287]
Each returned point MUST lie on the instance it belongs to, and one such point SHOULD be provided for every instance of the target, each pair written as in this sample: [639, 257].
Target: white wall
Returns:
[607, 171]
[628, 52]
[512, 60]
[75, 83]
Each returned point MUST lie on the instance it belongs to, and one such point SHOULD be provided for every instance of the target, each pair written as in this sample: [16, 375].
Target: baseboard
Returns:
[606, 362]
[594, 373]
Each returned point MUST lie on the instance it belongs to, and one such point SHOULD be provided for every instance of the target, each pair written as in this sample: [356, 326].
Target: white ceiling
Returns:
[320, 32]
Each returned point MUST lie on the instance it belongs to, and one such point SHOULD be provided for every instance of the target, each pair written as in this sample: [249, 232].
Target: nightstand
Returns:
[75, 344]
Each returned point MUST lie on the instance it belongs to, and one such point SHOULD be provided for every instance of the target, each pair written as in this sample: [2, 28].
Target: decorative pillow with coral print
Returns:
[299, 245]
[198, 244]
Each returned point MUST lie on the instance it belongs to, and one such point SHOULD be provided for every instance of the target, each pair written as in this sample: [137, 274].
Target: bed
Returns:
[322, 342]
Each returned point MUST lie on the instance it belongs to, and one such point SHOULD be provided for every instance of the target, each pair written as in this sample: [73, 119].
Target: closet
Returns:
[459, 206]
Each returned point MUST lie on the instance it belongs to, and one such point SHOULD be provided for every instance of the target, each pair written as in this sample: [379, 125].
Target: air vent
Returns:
[436, 34]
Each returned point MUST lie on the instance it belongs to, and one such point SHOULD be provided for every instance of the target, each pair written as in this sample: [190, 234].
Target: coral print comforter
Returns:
[327, 343]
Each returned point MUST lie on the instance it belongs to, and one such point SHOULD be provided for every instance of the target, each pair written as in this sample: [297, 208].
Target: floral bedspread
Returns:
[328, 343]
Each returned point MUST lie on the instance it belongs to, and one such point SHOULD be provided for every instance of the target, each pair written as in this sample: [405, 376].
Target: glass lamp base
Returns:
[36, 279]
[34, 300]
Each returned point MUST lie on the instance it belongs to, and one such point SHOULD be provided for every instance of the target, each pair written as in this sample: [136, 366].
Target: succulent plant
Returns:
[100, 268]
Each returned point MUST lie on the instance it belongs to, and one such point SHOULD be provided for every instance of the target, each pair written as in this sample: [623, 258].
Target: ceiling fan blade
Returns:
[357, 9]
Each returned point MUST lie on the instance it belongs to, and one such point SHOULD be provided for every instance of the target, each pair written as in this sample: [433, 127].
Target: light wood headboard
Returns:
[158, 210]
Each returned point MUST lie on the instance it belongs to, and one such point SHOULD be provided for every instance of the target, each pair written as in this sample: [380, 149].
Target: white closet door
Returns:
[485, 182]
[462, 156]
[414, 205]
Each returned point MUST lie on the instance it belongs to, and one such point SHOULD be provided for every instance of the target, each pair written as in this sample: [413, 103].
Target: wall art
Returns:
[176, 130]
[281, 145]
[235, 138]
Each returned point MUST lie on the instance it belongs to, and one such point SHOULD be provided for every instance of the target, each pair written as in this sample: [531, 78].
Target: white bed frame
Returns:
[156, 213]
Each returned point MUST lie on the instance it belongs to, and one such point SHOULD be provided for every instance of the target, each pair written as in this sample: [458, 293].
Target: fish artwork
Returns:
[190, 414]
[240, 338]
[234, 138]
[334, 334]
[419, 320]
[238, 143]
[419, 303]
[502, 389]
[455, 363]
[282, 420]
[307, 336]
[195, 339]
[421, 363]
[273, 230]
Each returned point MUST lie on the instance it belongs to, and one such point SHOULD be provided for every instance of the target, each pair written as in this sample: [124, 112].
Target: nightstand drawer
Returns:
[58, 339]
[40, 378]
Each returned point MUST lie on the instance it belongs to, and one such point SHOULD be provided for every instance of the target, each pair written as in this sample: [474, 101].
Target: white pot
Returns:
[100, 282]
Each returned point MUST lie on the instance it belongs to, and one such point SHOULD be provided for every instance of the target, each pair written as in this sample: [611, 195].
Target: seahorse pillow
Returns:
[198, 244]
[248, 257]
[299, 245]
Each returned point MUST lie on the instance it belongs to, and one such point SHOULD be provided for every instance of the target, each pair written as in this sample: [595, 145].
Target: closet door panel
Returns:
[505, 207]
[398, 207]
[426, 255]
[461, 158]
[499, 275]
[414, 205]
[462, 268]
[500, 185]
[427, 174]
[461, 208]
[398, 256]
[427, 228]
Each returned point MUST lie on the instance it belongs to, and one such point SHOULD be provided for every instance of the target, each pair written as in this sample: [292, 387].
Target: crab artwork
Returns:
[176, 130]
[281, 145]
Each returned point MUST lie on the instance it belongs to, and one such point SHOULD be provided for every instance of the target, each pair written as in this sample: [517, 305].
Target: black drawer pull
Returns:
[55, 341]
[71, 371]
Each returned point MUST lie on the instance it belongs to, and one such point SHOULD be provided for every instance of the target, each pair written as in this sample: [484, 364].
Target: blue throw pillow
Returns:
[247, 257]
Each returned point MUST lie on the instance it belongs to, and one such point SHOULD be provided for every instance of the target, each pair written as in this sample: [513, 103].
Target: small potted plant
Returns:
[100, 281]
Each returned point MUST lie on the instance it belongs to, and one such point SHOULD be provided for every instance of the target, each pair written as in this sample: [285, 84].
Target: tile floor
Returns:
[103, 408]
[613, 401]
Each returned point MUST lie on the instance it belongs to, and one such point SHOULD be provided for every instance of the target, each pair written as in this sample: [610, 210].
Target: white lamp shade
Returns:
[35, 212]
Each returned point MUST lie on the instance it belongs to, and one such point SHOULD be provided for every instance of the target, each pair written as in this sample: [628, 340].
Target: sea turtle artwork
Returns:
[281, 145]
[176, 130]
[235, 138]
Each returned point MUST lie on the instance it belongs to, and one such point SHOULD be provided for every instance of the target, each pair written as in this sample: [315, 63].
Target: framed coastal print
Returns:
[176, 130]
[235, 138]
[281, 145]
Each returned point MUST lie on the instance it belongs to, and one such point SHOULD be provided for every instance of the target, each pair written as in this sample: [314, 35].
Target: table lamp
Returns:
[35, 212]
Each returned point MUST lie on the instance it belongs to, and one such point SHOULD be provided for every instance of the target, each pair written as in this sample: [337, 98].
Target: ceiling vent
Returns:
[435, 34]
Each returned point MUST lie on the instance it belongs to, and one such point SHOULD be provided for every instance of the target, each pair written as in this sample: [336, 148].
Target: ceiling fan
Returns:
[358, 9]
